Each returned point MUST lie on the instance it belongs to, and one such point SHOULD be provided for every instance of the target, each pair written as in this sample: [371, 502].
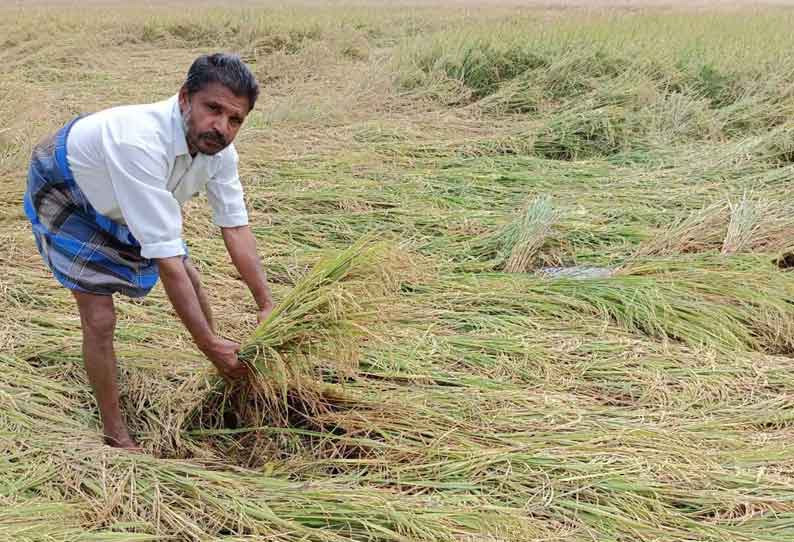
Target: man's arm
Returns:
[241, 245]
[177, 284]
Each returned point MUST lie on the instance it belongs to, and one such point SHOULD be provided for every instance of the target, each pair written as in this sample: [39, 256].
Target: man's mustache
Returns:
[213, 136]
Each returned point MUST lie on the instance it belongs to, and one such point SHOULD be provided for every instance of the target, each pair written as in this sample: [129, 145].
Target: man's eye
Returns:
[214, 108]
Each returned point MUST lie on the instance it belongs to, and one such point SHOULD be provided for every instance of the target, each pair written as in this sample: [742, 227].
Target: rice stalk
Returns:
[515, 247]
[525, 236]
[698, 232]
[37, 520]
[745, 221]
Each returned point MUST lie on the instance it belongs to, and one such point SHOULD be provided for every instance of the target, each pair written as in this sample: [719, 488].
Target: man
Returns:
[104, 198]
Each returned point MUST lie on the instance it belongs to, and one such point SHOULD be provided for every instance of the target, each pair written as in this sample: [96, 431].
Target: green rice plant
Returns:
[37, 520]
[514, 248]
[673, 118]
[580, 68]
[764, 103]
[725, 304]
[700, 231]
[523, 94]
[582, 135]
[777, 146]
[476, 60]
[570, 73]
[746, 216]
[719, 86]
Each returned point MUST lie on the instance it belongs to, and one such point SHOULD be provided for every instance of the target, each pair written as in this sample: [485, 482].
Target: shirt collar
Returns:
[179, 143]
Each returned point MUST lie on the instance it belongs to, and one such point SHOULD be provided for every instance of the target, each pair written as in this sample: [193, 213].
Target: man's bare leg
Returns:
[98, 319]
[204, 301]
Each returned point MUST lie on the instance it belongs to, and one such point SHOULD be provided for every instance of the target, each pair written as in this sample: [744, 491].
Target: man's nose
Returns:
[222, 125]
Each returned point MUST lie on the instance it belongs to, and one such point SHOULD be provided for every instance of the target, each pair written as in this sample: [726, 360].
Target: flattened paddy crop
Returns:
[532, 270]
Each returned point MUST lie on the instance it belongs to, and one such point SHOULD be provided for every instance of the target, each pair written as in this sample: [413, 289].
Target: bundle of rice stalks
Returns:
[746, 216]
[525, 236]
[750, 224]
[311, 336]
[699, 231]
[514, 248]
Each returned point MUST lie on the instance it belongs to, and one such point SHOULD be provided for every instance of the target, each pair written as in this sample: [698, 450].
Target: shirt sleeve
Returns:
[225, 193]
[139, 175]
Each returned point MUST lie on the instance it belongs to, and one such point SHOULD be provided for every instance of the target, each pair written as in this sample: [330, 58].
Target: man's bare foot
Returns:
[123, 440]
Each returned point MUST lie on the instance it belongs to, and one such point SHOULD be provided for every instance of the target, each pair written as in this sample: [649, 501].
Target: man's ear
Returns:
[183, 98]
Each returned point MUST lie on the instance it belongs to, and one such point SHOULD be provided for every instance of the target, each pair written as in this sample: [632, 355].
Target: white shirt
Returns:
[133, 165]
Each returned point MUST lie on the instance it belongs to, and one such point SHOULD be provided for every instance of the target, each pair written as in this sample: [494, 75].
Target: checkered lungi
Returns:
[86, 251]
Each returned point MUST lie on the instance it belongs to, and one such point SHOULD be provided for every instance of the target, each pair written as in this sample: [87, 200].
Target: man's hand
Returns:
[223, 354]
[184, 298]
[263, 313]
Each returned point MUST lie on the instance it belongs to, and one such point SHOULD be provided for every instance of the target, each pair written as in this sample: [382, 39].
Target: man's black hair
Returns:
[226, 69]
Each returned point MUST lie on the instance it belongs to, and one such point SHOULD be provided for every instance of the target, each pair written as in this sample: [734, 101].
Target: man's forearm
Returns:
[176, 282]
[241, 245]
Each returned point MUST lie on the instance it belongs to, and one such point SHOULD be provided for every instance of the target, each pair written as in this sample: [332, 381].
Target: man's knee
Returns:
[98, 316]
[100, 324]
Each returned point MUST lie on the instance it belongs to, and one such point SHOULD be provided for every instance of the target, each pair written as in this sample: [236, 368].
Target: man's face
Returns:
[212, 116]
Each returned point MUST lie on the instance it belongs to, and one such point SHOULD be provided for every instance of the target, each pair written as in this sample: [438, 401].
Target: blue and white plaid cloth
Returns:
[86, 251]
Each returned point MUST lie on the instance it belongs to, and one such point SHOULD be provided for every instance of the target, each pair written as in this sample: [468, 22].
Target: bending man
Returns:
[104, 197]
